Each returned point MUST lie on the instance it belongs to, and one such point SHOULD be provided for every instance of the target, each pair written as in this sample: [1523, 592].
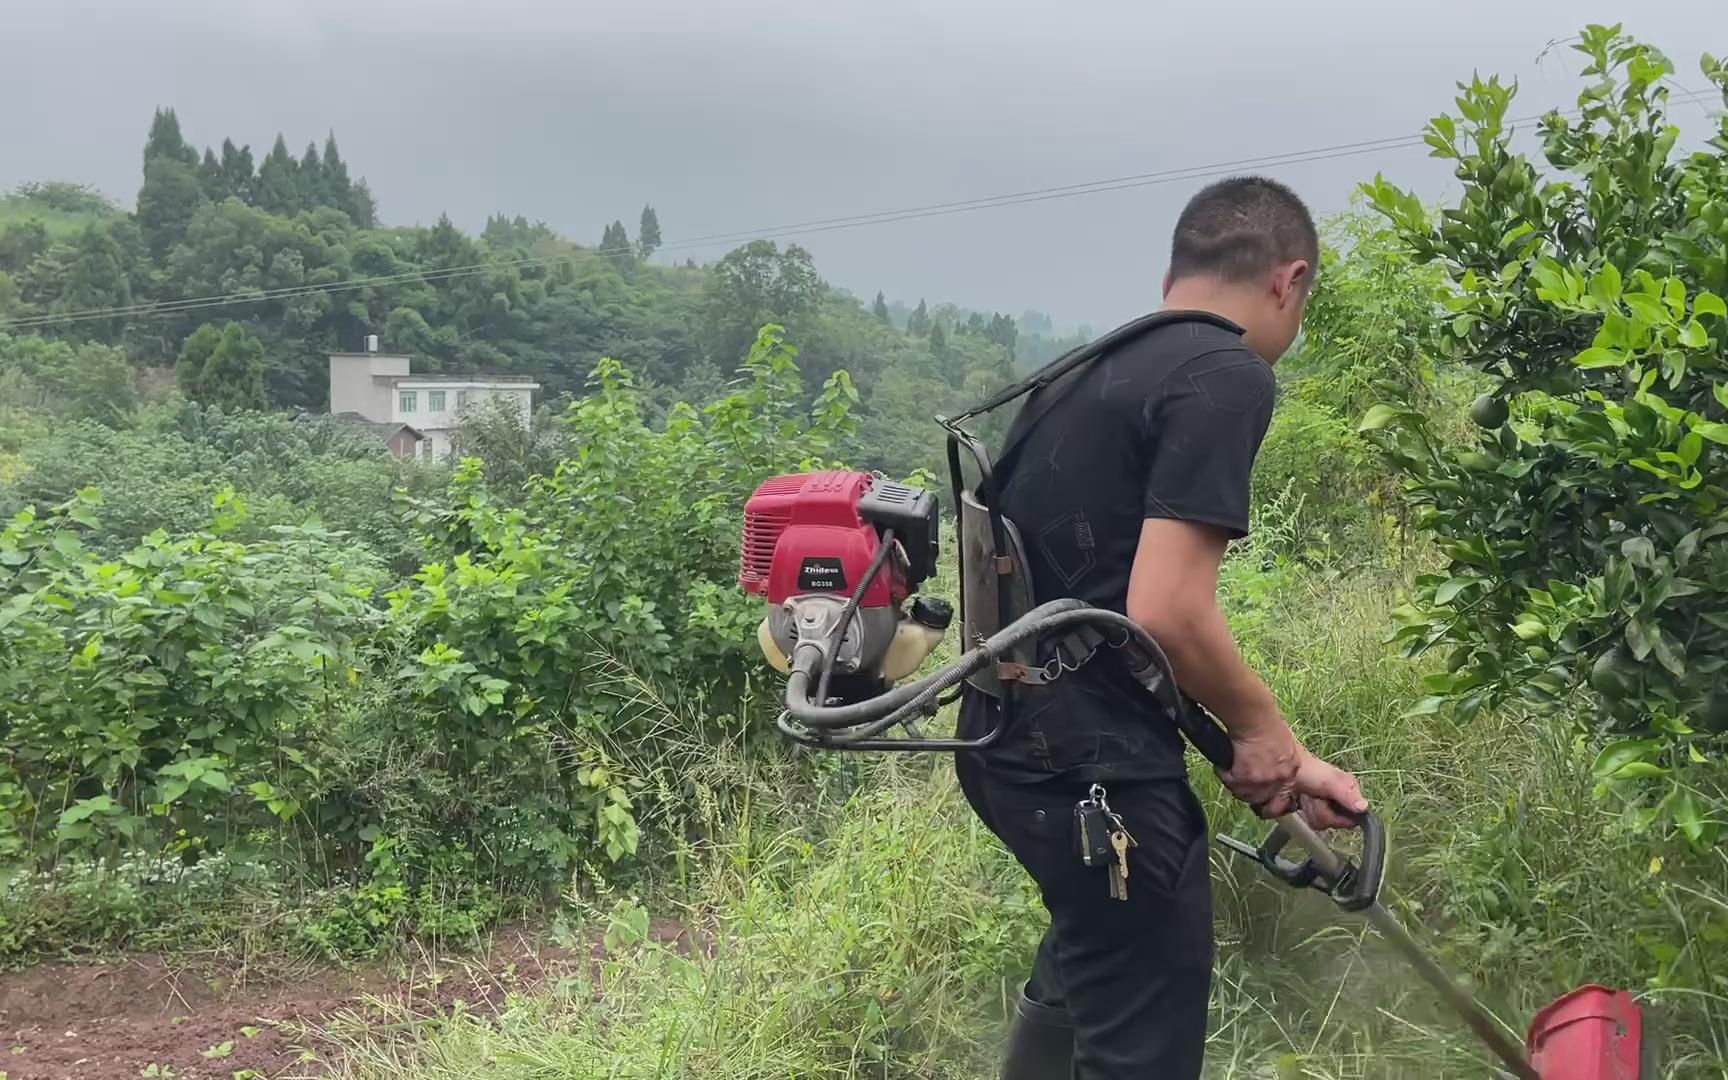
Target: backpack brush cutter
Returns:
[838, 556]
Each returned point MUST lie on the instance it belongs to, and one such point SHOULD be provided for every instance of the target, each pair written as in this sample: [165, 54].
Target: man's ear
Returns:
[1292, 281]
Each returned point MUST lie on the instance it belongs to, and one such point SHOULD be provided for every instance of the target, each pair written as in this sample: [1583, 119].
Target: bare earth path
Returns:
[116, 1019]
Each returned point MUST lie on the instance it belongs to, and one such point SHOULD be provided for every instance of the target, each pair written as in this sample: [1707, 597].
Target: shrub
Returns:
[626, 554]
[1584, 526]
[167, 689]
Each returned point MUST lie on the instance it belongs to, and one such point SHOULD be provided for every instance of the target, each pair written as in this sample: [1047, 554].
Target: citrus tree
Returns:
[1587, 527]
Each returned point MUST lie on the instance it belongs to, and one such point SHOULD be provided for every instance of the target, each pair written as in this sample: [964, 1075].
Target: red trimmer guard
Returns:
[1592, 1033]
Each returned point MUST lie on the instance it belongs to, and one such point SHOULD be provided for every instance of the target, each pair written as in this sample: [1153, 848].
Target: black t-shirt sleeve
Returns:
[1202, 432]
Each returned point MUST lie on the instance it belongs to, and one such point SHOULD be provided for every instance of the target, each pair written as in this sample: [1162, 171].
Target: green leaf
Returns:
[1549, 275]
[1693, 336]
[1379, 416]
[1708, 303]
[68, 544]
[1605, 285]
[1516, 232]
[1427, 706]
[1687, 818]
[1451, 587]
[1529, 628]
[1670, 653]
[1446, 682]
[1671, 725]
[1616, 332]
[1595, 357]
[1638, 639]
[1639, 770]
[84, 808]
[1646, 309]
[1715, 432]
[1691, 446]
[1675, 293]
[1617, 755]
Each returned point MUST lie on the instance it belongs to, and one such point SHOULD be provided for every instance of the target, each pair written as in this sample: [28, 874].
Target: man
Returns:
[1126, 492]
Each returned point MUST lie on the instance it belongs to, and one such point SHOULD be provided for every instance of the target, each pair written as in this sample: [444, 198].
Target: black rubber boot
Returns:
[1040, 1043]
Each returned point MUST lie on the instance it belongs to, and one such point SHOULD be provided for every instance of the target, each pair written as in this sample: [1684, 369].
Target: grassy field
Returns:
[15, 210]
[874, 929]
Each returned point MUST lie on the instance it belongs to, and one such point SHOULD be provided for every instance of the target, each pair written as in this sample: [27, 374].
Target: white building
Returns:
[380, 388]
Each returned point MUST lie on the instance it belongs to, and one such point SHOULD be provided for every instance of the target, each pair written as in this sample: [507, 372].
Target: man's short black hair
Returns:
[1240, 228]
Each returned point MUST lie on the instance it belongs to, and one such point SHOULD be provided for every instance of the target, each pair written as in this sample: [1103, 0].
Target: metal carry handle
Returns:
[1353, 885]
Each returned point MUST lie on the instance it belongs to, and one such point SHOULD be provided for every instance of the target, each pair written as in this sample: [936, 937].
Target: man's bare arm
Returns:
[1173, 594]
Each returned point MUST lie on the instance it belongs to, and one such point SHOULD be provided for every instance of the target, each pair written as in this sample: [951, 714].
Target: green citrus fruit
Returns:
[1613, 673]
[1489, 412]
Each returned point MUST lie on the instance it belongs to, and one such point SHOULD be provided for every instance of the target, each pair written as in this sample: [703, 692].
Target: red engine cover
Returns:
[802, 534]
[1592, 1033]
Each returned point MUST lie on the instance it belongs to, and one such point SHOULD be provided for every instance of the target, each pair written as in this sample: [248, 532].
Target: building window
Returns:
[461, 398]
[434, 401]
[405, 400]
[426, 449]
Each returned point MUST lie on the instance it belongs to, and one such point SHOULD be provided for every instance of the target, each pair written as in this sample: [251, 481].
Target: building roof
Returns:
[385, 430]
[519, 381]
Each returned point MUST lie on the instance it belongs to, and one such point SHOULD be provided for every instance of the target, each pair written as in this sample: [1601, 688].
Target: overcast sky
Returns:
[732, 115]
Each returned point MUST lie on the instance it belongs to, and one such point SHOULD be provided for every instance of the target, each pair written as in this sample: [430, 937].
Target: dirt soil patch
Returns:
[140, 1016]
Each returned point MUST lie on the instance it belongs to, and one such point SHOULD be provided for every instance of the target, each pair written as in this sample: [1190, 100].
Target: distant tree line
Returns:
[298, 242]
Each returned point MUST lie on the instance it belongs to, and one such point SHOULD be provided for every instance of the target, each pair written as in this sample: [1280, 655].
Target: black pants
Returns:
[1134, 976]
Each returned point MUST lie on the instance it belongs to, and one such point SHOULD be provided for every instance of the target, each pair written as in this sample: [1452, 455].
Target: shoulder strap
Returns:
[1071, 362]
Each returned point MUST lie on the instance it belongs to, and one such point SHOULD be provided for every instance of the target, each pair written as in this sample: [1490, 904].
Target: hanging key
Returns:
[1121, 842]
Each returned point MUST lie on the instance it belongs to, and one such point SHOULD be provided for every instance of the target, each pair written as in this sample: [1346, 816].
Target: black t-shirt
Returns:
[1164, 426]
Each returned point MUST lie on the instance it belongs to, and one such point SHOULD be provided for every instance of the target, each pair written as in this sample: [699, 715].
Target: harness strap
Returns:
[1071, 652]
[1093, 349]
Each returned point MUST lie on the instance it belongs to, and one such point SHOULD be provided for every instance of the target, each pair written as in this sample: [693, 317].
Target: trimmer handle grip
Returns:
[1372, 869]
[1207, 734]
[1352, 885]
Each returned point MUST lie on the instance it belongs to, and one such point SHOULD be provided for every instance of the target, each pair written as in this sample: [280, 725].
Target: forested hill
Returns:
[298, 237]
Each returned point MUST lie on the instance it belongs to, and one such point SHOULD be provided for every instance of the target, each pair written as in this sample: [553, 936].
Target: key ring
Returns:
[1097, 795]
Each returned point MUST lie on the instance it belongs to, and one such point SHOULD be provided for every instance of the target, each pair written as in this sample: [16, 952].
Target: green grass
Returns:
[879, 936]
[15, 210]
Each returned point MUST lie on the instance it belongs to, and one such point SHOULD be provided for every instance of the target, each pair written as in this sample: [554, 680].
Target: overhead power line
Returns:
[803, 228]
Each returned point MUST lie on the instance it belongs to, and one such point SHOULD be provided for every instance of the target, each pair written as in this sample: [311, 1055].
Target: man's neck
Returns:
[1240, 305]
[1202, 295]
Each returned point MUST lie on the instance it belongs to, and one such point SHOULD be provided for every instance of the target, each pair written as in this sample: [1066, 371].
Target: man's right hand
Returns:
[1263, 771]
[1275, 774]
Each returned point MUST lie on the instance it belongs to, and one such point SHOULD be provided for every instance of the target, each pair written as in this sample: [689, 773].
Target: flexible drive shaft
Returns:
[843, 726]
